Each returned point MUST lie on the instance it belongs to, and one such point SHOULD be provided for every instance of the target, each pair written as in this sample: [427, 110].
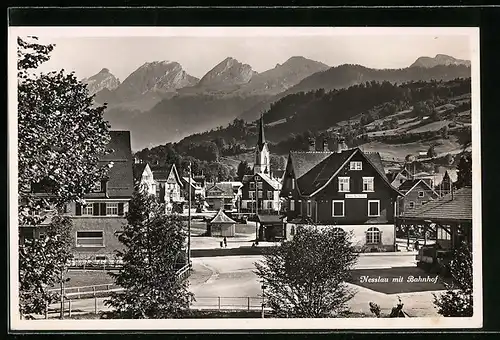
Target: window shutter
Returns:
[120, 209]
[95, 209]
[78, 209]
[102, 209]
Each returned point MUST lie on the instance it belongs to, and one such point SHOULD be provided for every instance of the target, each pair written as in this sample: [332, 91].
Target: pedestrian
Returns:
[225, 242]
[221, 245]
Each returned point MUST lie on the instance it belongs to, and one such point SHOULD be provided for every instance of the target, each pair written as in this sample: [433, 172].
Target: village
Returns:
[404, 225]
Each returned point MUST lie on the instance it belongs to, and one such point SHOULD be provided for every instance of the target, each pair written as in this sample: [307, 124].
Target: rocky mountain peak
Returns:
[227, 73]
[100, 81]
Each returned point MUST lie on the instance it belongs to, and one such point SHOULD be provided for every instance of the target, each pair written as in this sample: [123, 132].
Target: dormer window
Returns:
[356, 165]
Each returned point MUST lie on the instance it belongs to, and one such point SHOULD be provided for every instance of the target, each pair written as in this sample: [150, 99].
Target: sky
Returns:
[87, 55]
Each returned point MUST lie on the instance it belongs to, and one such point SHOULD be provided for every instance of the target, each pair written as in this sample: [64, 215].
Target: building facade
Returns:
[168, 188]
[260, 194]
[347, 190]
[416, 193]
[223, 195]
[143, 178]
[97, 222]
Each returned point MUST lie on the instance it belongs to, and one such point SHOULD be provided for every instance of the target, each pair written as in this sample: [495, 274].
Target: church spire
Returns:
[262, 138]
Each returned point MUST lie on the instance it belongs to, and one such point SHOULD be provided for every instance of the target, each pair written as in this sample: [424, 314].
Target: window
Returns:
[420, 194]
[338, 208]
[293, 183]
[411, 205]
[373, 208]
[251, 195]
[292, 205]
[368, 184]
[252, 185]
[259, 185]
[443, 234]
[343, 184]
[270, 195]
[89, 239]
[269, 205]
[373, 236]
[111, 209]
[308, 208]
[87, 210]
[338, 232]
[356, 165]
[260, 194]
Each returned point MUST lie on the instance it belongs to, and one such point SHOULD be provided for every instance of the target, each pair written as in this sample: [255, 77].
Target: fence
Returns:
[219, 303]
[94, 292]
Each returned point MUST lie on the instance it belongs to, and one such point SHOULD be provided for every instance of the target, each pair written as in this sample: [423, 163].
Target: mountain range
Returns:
[439, 59]
[161, 102]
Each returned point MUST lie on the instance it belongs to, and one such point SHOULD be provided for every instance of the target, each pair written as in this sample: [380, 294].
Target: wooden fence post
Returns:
[219, 302]
[78, 291]
[95, 304]
[69, 307]
[248, 302]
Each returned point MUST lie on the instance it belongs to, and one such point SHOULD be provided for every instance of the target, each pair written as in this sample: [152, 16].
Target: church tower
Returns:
[262, 159]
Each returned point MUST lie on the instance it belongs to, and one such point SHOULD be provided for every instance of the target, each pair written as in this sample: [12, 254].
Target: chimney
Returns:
[312, 144]
[325, 144]
[341, 145]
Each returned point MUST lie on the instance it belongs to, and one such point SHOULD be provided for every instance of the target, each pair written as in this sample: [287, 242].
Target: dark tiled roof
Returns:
[162, 173]
[222, 218]
[408, 184]
[451, 207]
[304, 161]
[120, 175]
[226, 188]
[376, 160]
[322, 172]
[138, 170]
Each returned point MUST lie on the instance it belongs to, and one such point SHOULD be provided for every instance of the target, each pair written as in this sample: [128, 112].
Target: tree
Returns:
[431, 152]
[457, 301]
[61, 134]
[243, 169]
[464, 171]
[154, 249]
[38, 269]
[305, 277]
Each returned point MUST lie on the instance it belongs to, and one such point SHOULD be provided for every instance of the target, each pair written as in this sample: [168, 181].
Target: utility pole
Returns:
[189, 217]
[256, 210]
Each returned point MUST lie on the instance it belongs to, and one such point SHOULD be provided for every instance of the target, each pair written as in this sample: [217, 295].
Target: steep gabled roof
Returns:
[120, 175]
[322, 172]
[225, 188]
[222, 218]
[456, 206]
[139, 170]
[408, 186]
[376, 160]
[162, 173]
[302, 162]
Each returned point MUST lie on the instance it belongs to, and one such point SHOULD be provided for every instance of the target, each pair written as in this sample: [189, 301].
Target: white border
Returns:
[243, 324]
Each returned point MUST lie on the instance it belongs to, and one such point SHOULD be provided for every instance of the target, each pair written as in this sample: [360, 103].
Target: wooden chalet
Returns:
[347, 190]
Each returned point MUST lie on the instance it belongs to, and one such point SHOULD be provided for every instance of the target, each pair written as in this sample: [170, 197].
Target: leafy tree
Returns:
[464, 171]
[38, 269]
[61, 134]
[457, 301]
[243, 169]
[277, 163]
[154, 249]
[431, 152]
[305, 277]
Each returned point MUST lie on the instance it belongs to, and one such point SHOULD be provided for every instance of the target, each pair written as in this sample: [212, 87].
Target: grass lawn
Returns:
[391, 287]
[80, 278]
